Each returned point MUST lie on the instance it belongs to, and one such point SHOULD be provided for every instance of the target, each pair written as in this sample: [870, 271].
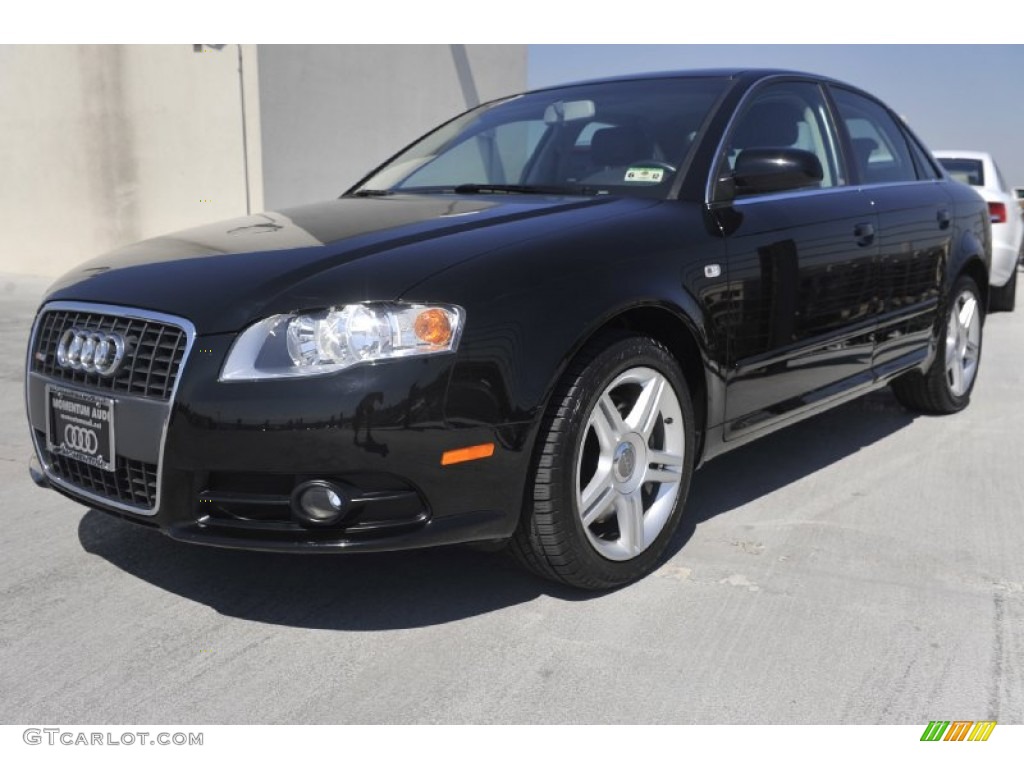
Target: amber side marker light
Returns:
[471, 453]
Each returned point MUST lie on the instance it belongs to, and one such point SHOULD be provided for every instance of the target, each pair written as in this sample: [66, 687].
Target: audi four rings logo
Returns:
[91, 351]
[81, 439]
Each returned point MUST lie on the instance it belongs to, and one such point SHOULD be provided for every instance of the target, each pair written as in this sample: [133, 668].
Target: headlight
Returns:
[331, 340]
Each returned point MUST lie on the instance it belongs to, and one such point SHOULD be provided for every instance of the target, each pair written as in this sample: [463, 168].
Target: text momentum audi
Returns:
[529, 327]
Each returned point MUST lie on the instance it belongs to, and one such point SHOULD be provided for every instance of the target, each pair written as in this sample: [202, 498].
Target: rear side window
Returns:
[880, 151]
[965, 170]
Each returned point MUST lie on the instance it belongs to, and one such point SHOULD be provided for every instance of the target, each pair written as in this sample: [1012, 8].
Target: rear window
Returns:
[967, 171]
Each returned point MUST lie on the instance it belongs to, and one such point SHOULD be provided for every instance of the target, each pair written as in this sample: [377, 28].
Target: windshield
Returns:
[624, 138]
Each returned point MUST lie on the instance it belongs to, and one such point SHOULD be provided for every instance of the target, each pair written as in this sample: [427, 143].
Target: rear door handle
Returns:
[944, 217]
[865, 233]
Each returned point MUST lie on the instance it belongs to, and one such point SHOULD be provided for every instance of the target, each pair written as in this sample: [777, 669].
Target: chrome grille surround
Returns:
[153, 328]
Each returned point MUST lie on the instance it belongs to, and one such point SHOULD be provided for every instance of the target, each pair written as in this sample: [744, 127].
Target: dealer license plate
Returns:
[80, 426]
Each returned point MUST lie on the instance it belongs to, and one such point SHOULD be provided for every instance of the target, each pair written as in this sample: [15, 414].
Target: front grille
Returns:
[152, 360]
[132, 482]
[156, 346]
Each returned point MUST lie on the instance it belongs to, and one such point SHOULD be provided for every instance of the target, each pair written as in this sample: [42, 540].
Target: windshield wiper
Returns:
[523, 189]
[476, 189]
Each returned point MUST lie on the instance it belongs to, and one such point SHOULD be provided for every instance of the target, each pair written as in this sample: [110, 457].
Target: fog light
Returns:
[319, 502]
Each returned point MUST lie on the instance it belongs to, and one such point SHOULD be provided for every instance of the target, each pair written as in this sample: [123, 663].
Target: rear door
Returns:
[915, 227]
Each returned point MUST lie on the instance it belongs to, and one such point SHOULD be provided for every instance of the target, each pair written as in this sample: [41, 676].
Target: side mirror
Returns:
[775, 169]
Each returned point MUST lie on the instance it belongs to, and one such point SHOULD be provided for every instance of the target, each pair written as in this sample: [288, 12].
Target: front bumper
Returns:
[226, 457]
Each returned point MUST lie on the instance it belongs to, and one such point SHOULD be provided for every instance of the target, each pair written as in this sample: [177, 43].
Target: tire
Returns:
[612, 467]
[1004, 299]
[946, 386]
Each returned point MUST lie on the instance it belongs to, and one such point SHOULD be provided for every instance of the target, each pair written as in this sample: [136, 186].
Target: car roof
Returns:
[729, 72]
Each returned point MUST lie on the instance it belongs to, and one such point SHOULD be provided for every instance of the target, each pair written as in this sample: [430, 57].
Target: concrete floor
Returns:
[866, 566]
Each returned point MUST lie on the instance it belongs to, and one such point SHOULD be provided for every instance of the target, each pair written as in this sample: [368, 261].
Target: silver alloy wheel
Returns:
[963, 343]
[630, 463]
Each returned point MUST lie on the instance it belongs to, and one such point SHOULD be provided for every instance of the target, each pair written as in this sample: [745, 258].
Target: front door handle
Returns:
[865, 233]
[943, 216]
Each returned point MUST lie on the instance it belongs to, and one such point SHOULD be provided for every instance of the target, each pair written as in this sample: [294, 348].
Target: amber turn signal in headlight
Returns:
[433, 327]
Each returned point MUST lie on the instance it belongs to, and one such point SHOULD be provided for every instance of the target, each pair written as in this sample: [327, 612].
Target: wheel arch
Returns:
[969, 258]
[551, 538]
[678, 333]
[974, 268]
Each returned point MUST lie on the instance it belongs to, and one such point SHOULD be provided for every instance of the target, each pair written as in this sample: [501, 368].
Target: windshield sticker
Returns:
[647, 175]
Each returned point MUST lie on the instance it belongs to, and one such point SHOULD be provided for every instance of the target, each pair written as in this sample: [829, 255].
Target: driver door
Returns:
[801, 269]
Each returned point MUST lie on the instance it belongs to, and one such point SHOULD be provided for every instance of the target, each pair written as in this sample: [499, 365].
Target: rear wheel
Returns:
[946, 386]
[613, 467]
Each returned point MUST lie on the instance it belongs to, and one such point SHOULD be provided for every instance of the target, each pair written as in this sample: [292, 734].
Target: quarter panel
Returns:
[972, 238]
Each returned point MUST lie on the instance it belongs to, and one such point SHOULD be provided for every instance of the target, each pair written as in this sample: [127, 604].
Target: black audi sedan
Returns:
[526, 329]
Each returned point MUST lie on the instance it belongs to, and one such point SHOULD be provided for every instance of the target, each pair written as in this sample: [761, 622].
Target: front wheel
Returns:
[613, 467]
[946, 386]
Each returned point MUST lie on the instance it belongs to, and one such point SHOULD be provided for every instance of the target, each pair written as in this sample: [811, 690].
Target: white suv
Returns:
[980, 171]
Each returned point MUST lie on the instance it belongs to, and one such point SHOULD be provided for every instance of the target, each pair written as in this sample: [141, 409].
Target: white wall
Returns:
[101, 146]
[330, 113]
[104, 145]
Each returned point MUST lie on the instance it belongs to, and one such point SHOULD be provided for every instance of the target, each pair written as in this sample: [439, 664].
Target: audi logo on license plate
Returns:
[81, 439]
[91, 351]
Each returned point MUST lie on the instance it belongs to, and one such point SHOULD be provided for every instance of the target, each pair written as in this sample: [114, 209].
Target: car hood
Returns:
[223, 276]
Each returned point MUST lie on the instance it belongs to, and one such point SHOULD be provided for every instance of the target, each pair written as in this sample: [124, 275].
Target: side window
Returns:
[787, 115]
[880, 151]
[925, 165]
